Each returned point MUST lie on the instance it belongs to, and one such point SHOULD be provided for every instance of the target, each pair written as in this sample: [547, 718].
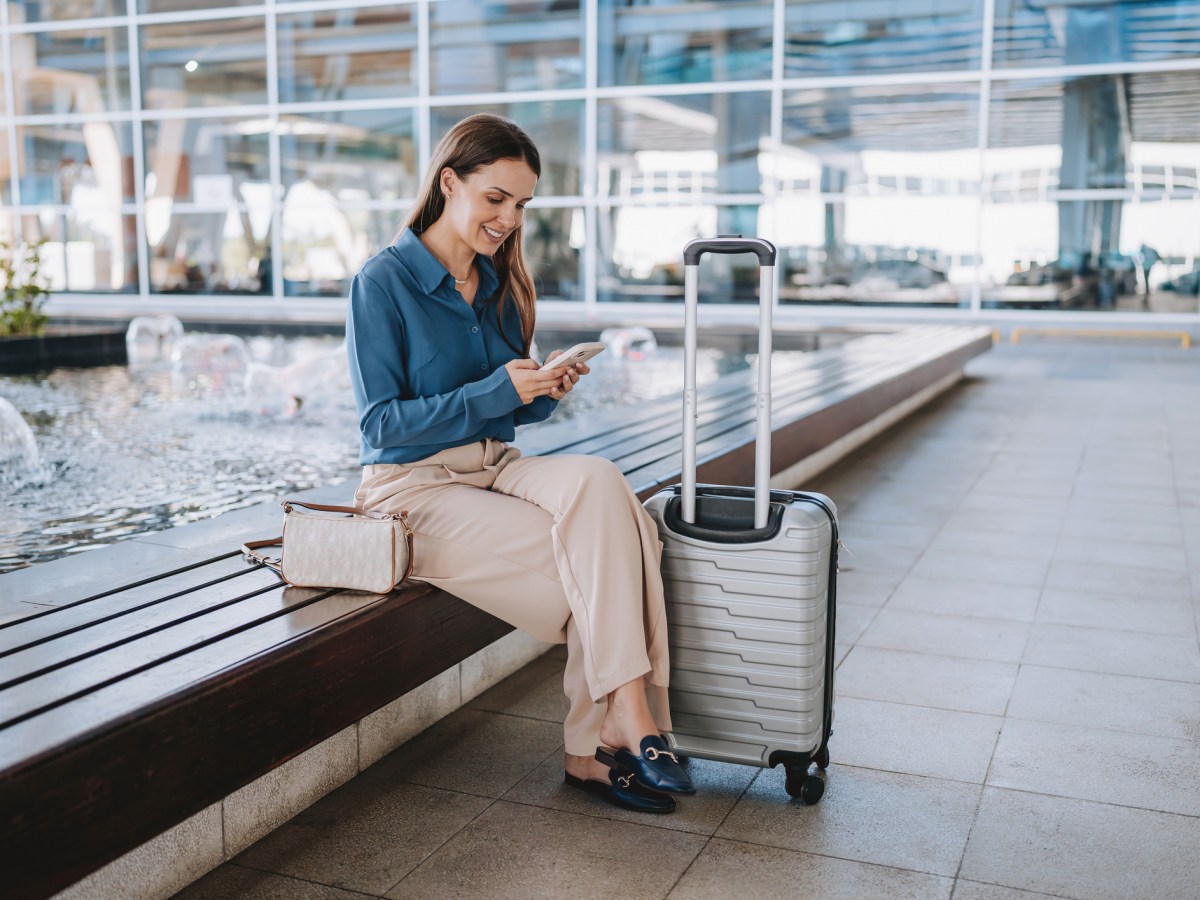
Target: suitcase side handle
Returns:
[765, 251]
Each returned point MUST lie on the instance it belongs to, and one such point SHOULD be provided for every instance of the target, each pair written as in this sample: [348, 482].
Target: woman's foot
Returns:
[630, 730]
[617, 786]
[628, 718]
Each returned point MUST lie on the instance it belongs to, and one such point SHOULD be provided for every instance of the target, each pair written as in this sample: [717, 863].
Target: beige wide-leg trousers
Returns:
[558, 546]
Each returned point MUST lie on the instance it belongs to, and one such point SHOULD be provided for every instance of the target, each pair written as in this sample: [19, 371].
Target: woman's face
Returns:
[488, 205]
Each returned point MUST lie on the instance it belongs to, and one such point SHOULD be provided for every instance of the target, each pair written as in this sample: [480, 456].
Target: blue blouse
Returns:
[427, 367]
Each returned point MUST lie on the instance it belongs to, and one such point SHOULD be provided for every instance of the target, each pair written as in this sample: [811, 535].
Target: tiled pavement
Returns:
[1018, 691]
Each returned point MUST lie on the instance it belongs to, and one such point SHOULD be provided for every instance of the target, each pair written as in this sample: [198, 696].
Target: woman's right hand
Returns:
[529, 381]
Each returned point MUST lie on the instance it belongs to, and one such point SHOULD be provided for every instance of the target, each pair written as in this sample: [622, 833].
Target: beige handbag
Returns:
[339, 547]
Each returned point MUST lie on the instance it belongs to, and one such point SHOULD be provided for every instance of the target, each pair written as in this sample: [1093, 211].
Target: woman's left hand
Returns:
[570, 377]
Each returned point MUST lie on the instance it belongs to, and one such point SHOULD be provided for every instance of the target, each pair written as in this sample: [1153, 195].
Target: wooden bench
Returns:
[129, 706]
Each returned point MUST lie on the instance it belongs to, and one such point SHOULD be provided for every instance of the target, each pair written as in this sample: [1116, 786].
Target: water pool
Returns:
[126, 450]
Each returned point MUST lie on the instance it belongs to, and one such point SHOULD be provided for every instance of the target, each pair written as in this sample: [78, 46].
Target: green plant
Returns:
[25, 291]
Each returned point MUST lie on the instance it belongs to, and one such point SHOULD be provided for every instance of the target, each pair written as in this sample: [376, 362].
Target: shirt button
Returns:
[483, 367]
[474, 329]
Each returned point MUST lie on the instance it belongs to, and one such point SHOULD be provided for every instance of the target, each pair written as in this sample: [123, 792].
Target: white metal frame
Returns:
[593, 200]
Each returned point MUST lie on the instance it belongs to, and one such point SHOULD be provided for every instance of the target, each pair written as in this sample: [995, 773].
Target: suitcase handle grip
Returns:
[729, 243]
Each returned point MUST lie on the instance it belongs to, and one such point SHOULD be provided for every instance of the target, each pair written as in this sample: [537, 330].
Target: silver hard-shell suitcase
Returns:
[750, 579]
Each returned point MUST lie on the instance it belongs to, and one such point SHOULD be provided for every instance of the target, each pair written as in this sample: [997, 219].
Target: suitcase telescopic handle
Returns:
[765, 251]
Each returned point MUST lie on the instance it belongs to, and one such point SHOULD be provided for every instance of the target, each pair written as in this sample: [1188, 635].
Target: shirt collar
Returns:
[430, 273]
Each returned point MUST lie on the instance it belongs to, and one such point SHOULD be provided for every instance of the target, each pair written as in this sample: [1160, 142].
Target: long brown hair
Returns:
[473, 143]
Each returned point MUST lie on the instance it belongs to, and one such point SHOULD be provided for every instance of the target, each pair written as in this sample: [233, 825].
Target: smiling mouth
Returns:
[494, 235]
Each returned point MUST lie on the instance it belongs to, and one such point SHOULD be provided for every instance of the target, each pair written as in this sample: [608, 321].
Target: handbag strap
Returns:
[349, 510]
[276, 565]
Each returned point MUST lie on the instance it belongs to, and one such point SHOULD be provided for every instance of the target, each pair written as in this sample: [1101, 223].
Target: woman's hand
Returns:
[532, 383]
[570, 376]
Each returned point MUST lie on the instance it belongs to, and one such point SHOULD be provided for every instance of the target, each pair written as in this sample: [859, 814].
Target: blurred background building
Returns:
[955, 155]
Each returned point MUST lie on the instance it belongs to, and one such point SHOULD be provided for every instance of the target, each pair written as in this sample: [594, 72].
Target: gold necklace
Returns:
[465, 280]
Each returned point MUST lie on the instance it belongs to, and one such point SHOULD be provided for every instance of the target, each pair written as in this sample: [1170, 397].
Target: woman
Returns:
[438, 332]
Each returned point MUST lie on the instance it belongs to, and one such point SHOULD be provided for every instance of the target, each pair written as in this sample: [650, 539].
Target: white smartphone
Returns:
[577, 354]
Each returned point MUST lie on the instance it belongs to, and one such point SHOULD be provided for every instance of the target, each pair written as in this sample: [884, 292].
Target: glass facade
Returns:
[914, 154]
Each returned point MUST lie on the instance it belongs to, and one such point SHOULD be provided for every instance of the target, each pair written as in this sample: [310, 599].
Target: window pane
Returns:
[226, 252]
[641, 253]
[215, 63]
[1050, 34]
[672, 42]
[82, 165]
[87, 250]
[325, 244]
[1092, 254]
[505, 46]
[698, 144]
[862, 138]
[1139, 132]
[5, 170]
[84, 71]
[347, 54]
[876, 250]
[208, 162]
[30, 11]
[166, 6]
[351, 156]
[555, 126]
[553, 241]
[858, 38]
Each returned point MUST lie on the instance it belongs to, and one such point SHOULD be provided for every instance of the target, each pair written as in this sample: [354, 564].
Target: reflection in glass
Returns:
[350, 156]
[877, 250]
[1066, 33]
[215, 63]
[324, 245]
[553, 241]
[1092, 254]
[85, 71]
[167, 6]
[688, 145]
[556, 127]
[347, 54]
[515, 45]
[5, 171]
[641, 253]
[81, 165]
[205, 161]
[227, 252]
[86, 249]
[31, 11]
[864, 38]
[1139, 131]
[682, 41]
[881, 139]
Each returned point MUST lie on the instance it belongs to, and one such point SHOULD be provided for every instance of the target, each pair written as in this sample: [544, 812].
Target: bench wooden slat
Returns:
[62, 620]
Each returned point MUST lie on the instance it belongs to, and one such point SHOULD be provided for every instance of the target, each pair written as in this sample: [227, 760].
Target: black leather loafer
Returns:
[624, 791]
[656, 767]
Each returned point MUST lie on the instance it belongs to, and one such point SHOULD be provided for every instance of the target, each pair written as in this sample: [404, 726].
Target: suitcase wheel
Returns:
[804, 787]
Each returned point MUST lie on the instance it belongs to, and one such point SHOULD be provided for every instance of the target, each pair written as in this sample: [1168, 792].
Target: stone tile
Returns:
[388, 727]
[966, 597]
[1093, 764]
[1117, 652]
[247, 884]
[1118, 580]
[1099, 489]
[911, 536]
[982, 543]
[536, 692]
[520, 852]
[1050, 509]
[1126, 510]
[269, 801]
[920, 824]
[876, 556]
[852, 620]
[1125, 553]
[1029, 484]
[727, 869]
[365, 836]
[1026, 521]
[1002, 640]
[993, 568]
[914, 740]
[1152, 532]
[840, 651]
[718, 787]
[941, 682]
[161, 866]
[1130, 613]
[866, 588]
[1150, 706]
[497, 661]
[974, 890]
[474, 751]
[1074, 848]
